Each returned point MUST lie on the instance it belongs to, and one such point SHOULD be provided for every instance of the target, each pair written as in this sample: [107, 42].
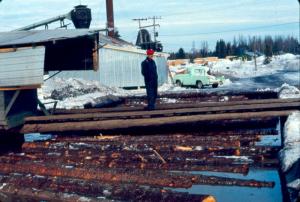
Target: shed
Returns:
[119, 65]
[26, 55]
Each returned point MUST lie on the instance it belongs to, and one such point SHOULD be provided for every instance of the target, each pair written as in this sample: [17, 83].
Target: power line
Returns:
[225, 31]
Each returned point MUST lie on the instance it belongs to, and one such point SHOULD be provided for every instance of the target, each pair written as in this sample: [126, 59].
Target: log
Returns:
[176, 106]
[213, 180]
[157, 178]
[92, 189]
[150, 122]
[161, 179]
[90, 162]
[160, 113]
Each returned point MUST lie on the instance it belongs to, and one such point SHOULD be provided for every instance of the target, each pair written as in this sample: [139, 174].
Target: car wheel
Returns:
[178, 83]
[215, 85]
[199, 84]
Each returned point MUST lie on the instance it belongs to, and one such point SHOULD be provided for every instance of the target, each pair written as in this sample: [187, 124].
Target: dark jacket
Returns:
[149, 71]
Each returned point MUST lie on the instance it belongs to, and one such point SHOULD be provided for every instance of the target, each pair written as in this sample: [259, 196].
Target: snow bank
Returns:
[290, 154]
[295, 185]
[74, 93]
[292, 129]
[245, 69]
[286, 91]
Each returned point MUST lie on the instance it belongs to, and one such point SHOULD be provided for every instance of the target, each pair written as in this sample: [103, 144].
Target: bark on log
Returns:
[152, 122]
[103, 192]
[160, 113]
[176, 106]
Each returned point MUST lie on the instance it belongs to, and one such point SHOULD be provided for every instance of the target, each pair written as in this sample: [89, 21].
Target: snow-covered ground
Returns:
[280, 75]
[246, 69]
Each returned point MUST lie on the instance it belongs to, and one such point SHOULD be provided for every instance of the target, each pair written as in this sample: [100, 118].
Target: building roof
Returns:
[19, 38]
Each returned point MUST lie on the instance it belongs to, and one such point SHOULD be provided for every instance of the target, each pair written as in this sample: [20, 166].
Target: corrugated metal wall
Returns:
[119, 68]
[22, 67]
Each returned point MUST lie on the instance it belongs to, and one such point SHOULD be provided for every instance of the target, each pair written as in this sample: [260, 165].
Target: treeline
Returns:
[267, 46]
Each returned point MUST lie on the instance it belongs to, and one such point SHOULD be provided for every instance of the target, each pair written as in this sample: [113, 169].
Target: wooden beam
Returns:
[148, 122]
[177, 106]
[11, 88]
[162, 113]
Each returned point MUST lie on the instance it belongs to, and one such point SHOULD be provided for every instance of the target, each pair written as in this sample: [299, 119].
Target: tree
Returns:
[220, 49]
[204, 49]
[180, 54]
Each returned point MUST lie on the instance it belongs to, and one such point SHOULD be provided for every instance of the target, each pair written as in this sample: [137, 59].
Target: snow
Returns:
[286, 91]
[290, 154]
[3, 185]
[295, 184]
[74, 93]
[292, 129]
[84, 199]
[246, 69]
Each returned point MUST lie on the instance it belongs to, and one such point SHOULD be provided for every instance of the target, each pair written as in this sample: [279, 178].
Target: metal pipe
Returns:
[110, 18]
[44, 22]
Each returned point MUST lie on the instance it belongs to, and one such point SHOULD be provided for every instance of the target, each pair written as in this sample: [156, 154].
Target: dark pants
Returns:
[151, 89]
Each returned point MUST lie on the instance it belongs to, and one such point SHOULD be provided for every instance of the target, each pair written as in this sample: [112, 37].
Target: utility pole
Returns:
[155, 33]
[139, 20]
[140, 26]
[154, 18]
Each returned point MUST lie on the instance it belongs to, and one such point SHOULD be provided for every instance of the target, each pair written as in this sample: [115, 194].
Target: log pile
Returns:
[131, 168]
[143, 156]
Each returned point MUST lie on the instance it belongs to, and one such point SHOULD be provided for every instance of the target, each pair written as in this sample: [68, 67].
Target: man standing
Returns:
[150, 76]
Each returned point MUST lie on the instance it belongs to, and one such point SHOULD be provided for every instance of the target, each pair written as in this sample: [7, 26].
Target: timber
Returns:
[147, 122]
[161, 113]
[158, 179]
[107, 192]
[177, 106]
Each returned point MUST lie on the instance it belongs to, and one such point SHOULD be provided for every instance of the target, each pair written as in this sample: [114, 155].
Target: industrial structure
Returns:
[26, 55]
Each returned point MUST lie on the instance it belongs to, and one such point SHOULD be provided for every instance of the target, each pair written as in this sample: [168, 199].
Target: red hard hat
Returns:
[150, 52]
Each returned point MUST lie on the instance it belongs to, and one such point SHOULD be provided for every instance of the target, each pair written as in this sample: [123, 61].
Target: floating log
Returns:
[213, 180]
[13, 193]
[89, 162]
[92, 189]
[157, 178]
[162, 179]
[152, 122]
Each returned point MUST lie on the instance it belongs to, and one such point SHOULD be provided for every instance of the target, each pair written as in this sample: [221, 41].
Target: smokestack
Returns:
[110, 18]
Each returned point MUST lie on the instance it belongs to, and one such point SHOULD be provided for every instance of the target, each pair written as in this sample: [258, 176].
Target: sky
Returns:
[182, 24]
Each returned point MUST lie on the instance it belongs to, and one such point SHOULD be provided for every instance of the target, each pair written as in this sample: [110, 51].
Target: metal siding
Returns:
[23, 67]
[41, 36]
[119, 69]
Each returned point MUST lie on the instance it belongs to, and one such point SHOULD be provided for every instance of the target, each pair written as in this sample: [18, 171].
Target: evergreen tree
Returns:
[180, 54]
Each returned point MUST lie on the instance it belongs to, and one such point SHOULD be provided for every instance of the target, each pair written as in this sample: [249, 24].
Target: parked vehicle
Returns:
[197, 76]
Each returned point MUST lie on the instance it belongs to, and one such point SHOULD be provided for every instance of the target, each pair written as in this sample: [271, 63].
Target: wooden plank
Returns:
[7, 50]
[96, 55]
[161, 113]
[177, 106]
[150, 122]
[12, 88]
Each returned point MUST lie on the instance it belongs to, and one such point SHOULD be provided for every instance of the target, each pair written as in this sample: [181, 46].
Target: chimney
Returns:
[110, 18]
